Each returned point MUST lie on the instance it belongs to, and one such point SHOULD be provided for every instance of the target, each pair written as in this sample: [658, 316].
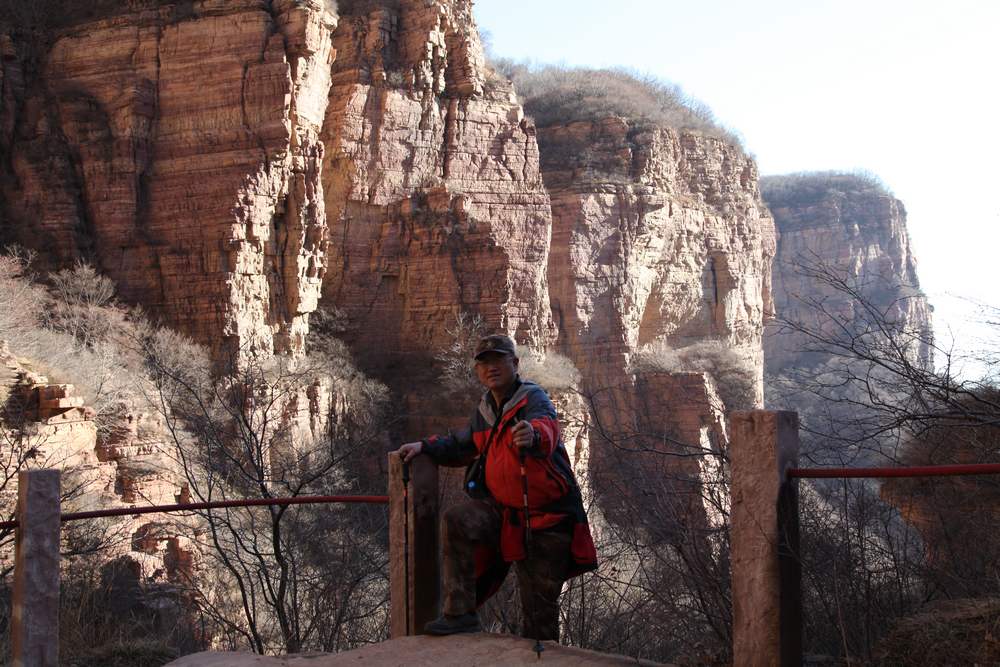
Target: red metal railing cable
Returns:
[217, 504]
[907, 471]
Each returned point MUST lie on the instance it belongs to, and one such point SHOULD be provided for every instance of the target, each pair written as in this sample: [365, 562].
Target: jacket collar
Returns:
[488, 407]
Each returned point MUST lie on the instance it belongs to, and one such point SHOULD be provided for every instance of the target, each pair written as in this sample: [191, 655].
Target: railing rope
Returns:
[215, 504]
[903, 471]
[35, 625]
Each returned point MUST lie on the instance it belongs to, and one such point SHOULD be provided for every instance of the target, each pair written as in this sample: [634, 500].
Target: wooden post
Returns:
[419, 596]
[764, 539]
[35, 626]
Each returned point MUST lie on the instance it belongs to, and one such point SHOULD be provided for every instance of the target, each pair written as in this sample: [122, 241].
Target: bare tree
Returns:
[869, 392]
[284, 579]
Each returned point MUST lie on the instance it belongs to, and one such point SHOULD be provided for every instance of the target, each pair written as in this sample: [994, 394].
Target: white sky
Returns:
[906, 89]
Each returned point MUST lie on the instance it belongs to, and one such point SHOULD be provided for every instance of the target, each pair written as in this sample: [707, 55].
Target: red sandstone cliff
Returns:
[659, 238]
[662, 236]
[232, 165]
[434, 200]
[857, 230]
[225, 163]
[177, 148]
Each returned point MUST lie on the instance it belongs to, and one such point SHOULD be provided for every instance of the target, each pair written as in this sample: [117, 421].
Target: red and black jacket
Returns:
[553, 494]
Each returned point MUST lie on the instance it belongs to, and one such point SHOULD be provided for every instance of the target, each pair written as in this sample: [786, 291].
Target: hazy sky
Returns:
[905, 89]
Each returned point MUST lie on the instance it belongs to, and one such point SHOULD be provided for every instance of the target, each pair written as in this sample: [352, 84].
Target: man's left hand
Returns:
[523, 434]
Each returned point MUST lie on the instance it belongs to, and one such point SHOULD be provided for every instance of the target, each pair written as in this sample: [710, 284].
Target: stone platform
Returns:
[468, 649]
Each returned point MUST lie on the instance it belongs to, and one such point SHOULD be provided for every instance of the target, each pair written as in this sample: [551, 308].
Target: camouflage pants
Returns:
[540, 577]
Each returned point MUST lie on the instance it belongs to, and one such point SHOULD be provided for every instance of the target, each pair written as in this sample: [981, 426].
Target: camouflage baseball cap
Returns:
[496, 343]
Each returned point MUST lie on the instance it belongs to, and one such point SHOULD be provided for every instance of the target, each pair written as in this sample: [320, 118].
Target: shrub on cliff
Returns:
[552, 94]
[283, 579]
[733, 374]
[553, 371]
[72, 332]
[808, 187]
[255, 427]
[20, 300]
[457, 375]
[82, 306]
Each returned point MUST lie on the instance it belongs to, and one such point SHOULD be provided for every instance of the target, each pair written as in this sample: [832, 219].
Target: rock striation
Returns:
[230, 163]
[434, 198]
[177, 147]
[435, 204]
[659, 236]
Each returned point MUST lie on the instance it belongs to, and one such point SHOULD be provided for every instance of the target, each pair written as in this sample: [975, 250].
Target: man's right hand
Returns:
[410, 450]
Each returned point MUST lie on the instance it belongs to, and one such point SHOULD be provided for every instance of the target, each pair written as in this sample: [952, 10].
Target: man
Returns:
[482, 536]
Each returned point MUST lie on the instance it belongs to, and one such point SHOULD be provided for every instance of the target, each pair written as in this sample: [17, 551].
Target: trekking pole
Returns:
[527, 514]
[539, 647]
[406, 543]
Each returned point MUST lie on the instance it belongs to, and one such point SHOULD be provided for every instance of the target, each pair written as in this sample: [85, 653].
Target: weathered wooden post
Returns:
[414, 573]
[764, 539]
[35, 627]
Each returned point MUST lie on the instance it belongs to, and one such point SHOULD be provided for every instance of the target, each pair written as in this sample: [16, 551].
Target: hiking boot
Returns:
[446, 624]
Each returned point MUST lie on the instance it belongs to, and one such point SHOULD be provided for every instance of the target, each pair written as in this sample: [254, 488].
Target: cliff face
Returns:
[658, 234]
[232, 165]
[228, 163]
[857, 232]
[177, 148]
[434, 199]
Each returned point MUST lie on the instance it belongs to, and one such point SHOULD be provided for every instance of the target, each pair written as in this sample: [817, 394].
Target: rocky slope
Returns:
[47, 425]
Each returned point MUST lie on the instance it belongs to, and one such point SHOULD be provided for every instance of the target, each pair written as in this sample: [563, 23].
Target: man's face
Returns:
[496, 370]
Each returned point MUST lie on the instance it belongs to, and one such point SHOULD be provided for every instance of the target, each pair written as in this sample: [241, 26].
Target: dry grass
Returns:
[71, 333]
[734, 376]
[808, 187]
[947, 632]
[551, 370]
[554, 95]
